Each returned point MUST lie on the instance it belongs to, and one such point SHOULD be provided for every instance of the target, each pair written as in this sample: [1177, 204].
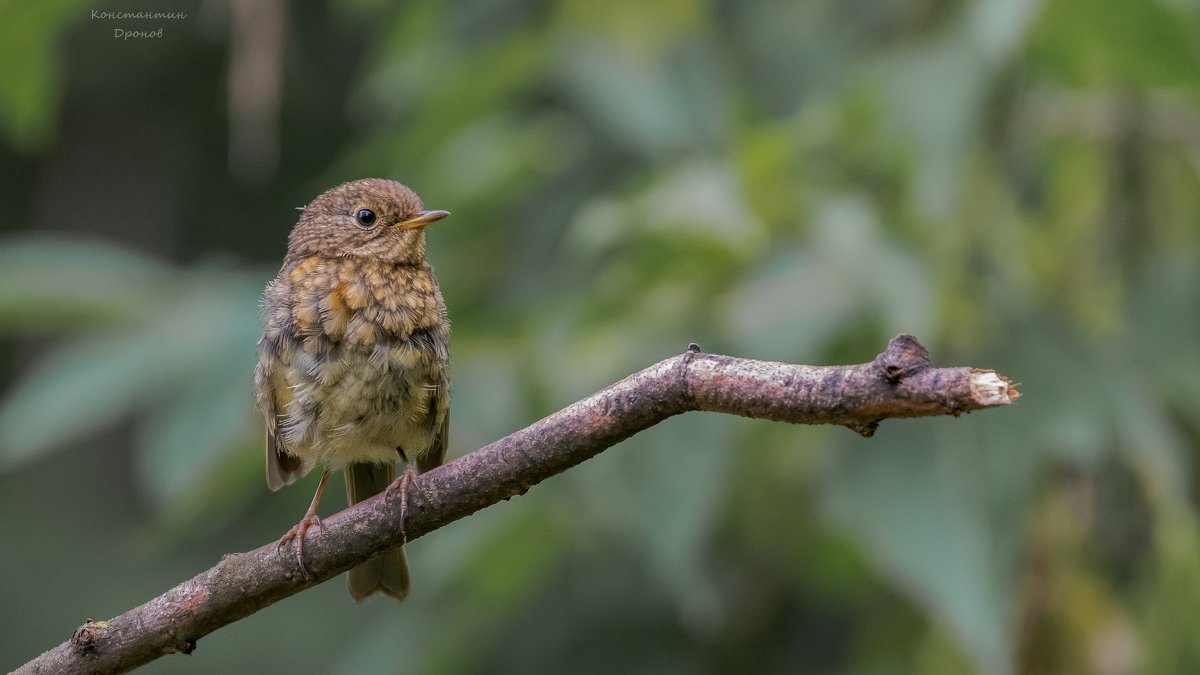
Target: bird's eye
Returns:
[365, 217]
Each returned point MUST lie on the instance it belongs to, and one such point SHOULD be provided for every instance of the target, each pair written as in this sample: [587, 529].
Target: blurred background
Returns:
[1016, 182]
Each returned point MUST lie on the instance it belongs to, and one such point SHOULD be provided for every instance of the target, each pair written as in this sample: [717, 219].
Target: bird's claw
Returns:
[298, 532]
[402, 485]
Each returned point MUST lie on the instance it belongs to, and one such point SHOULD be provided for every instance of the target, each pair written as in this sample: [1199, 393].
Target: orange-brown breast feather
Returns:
[335, 313]
[307, 279]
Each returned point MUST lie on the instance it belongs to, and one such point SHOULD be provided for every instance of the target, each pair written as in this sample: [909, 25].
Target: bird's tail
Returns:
[387, 572]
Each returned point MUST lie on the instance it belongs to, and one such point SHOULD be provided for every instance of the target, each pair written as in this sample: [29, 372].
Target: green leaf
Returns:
[77, 388]
[185, 441]
[48, 282]
[661, 492]
[30, 67]
[213, 329]
[911, 497]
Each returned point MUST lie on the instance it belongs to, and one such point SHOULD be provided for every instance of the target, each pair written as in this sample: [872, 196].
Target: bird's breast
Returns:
[358, 303]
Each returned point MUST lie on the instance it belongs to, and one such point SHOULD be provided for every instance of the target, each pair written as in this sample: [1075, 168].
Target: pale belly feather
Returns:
[351, 405]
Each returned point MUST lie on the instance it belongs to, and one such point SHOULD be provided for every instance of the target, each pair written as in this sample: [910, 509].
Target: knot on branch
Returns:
[185, 645]
[865, 429]
[904, 356]
[85, 637]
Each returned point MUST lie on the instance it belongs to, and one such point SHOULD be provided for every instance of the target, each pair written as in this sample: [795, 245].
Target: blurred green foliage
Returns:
[1013, 181]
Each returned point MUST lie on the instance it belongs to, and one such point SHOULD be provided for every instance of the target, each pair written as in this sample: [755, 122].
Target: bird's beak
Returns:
[422, 219]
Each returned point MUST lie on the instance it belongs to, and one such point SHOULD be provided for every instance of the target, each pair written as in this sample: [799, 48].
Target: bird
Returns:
[353, 365]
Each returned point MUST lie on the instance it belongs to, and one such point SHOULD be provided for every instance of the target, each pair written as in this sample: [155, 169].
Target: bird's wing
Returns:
[273, 394]
[436, 454]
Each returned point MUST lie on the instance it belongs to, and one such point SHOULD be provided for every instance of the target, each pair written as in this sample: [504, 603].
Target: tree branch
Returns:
[900, 382]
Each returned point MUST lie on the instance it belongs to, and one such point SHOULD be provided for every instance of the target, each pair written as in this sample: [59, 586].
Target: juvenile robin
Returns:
[353, 365]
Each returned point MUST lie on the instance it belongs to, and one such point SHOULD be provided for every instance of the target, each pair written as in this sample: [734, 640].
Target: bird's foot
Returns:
[401, 486]
[298, 532]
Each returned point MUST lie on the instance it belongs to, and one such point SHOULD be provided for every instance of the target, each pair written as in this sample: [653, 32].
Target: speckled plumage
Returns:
[353, 365]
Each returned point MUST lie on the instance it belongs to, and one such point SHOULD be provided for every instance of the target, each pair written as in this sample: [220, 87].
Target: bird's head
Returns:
[370, 218]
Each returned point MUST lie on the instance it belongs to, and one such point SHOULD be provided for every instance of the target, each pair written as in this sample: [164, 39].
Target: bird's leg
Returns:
[402, 485]
[300, 529]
